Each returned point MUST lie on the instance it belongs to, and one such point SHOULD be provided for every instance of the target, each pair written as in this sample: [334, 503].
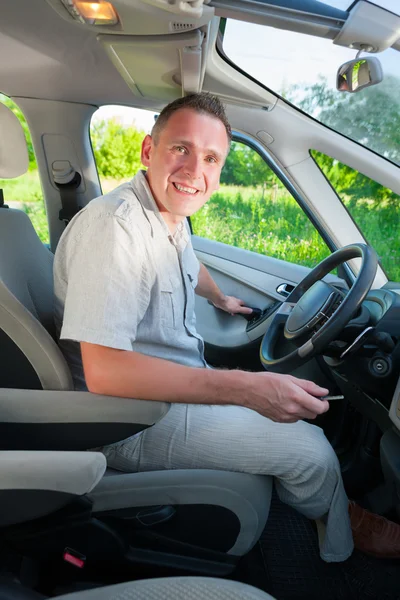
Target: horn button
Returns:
[312, 310]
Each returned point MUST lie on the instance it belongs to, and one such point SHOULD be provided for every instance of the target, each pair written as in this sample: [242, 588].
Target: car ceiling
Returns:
[48, 55]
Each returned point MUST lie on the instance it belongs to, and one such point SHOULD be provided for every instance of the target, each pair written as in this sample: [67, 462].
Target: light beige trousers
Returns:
[306, 470]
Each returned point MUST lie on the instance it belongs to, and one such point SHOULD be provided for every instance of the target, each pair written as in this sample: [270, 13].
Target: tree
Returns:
[370, 117]
[116, 149]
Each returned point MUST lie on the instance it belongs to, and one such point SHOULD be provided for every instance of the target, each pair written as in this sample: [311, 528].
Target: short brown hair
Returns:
[201, 103]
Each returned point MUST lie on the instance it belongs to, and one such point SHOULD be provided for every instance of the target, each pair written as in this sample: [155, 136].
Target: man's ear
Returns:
[145, 154]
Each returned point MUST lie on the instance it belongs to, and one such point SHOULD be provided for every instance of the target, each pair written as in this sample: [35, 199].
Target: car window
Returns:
[25, 192]
[253, 210]
[302, 69]
[116, 133]
[374, 208]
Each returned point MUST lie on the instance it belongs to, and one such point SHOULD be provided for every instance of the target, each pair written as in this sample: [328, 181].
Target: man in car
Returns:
[125, 278]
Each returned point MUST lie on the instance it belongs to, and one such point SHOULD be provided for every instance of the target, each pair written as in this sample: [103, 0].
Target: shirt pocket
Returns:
[168, 303]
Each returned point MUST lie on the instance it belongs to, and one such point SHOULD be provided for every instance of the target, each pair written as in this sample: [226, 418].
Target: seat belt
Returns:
[68, 181]
[2, 205]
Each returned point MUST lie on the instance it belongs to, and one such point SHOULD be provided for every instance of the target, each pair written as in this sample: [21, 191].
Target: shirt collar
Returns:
[143, 192]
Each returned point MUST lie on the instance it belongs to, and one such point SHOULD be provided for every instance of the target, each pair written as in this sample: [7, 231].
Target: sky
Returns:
[279, 58]
[142, 119]
[276, 58]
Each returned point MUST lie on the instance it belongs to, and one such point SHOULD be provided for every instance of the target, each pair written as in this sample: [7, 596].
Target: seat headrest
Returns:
[14, 159]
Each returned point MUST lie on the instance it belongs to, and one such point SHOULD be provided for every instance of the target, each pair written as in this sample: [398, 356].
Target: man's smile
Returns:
[186, 189]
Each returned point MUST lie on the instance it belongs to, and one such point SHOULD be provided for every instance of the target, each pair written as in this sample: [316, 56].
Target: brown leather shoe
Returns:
[374, 534]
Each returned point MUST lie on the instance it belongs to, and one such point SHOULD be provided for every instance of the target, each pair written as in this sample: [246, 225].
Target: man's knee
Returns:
[320, 446]
[313, 456]
[310, 481]
[322, 477]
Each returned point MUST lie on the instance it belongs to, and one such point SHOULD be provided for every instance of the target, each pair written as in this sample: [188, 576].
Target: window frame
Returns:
[221, 53]
[243, 138]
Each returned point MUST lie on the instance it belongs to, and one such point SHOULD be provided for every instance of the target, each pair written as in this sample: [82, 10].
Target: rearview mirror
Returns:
[357, 74]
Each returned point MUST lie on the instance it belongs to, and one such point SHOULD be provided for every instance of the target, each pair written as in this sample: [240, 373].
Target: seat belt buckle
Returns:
[74, 558]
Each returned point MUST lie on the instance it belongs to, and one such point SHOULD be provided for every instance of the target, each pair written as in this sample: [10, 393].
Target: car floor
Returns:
[286, 563]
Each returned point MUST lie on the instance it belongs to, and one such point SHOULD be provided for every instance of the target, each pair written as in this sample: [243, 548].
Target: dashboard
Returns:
[365, 361]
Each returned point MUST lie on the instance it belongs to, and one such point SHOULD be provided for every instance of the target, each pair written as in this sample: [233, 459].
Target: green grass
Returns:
[271, 223]
[22, 189]
[380, 226]
[274, 225]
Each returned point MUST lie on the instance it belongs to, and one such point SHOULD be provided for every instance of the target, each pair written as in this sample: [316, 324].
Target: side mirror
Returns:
[357, 74]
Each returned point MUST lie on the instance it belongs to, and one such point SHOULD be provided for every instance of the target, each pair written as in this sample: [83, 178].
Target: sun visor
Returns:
[163, 67]
[370, 28]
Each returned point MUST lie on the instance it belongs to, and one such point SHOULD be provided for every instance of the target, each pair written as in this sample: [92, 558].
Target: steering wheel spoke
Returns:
[285, 309]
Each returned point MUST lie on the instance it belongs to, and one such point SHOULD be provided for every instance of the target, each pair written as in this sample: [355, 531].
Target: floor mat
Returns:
[294, 570]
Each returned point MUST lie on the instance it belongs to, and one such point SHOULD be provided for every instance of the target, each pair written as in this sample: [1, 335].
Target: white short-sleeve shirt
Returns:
[122, 280]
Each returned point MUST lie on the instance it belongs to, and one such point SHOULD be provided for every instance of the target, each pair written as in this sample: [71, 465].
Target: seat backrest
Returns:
[29, 355]
[26, 265]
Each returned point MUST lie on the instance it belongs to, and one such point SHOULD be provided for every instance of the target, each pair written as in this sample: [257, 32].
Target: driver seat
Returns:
[215, 515]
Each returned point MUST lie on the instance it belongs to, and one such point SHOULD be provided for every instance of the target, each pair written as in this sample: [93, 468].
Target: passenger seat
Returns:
[171, 588]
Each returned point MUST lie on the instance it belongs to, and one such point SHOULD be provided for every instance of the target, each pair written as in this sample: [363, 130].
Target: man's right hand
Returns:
[284, 398]
[281, 398]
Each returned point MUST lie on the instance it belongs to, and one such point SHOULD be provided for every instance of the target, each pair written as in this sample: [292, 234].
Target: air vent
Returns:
[178, 27]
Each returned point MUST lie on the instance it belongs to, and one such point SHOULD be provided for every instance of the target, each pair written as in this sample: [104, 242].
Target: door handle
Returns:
[256, 314]
[285, 289]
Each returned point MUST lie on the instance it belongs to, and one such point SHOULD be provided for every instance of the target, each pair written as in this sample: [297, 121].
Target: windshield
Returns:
[302, 69]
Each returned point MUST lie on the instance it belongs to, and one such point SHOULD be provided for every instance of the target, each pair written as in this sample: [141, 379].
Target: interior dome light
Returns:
[92, 12]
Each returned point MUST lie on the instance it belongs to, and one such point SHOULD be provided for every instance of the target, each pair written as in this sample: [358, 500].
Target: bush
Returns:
[116, 149]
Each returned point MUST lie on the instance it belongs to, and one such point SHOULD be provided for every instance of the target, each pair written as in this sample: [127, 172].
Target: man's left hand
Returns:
[233, 306]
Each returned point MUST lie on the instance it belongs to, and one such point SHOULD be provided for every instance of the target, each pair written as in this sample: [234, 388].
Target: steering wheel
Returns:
[315, 312]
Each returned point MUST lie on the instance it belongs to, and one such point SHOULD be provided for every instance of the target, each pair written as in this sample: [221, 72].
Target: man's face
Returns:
[184, 166]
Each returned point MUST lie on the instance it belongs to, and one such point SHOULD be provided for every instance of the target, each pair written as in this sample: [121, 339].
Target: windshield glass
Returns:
[302, 69]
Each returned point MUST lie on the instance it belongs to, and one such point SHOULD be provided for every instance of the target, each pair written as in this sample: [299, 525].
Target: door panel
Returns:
[252, 277]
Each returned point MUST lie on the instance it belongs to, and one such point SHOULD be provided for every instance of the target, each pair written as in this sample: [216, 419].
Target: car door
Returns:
[258, 244]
